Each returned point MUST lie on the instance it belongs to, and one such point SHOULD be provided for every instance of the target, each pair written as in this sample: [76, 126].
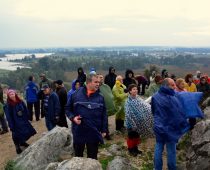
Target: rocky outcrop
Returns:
[46, 150]
[77, 163]
[119, 163]
[198, 154]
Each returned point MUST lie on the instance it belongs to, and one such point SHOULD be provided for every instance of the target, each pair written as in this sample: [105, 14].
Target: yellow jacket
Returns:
[191, 88]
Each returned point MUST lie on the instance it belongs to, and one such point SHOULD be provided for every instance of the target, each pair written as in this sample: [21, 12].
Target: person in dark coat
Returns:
[170, 123]
[17, 117]
[110, 78]
[44, 81]
[86, 109]
[51, 107]
[31, 96]
[81, 76]
[62, 95]
[204, 87]
[129, 78]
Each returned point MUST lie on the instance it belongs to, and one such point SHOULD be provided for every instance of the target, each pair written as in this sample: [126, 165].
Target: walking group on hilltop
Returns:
[166, 114]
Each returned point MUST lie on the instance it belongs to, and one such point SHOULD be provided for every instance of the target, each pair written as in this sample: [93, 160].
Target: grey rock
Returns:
[45, 150]
[103, 153]
[119, 163]
[77, 163]
[115, 149]
[205, 150]
[52, 166]
[182, 166]
[201, 134]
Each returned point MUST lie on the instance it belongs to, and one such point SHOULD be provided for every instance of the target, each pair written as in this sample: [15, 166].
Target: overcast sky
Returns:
[66, 23]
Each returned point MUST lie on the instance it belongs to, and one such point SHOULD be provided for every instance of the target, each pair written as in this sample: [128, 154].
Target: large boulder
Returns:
[77, 163]
[46, 150]
[119, 163]
[198, 155]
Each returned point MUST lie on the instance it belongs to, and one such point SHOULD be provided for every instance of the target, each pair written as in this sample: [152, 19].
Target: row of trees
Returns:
[56, 66]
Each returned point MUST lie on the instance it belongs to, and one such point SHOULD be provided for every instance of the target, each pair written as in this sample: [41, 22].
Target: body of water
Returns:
[7, 65]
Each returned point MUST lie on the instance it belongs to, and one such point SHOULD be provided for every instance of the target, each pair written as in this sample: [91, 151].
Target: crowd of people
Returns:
[93, 97]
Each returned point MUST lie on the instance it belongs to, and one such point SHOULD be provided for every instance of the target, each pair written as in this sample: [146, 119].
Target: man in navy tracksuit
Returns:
[31, 95]
[86, 109]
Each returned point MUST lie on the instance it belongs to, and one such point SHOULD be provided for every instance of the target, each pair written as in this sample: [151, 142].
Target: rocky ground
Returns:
[107, 152]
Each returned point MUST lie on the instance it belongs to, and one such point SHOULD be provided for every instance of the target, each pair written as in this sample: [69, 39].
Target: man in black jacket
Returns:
[62, 95]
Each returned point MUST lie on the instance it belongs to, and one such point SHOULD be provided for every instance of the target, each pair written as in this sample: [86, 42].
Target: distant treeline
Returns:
[57, 65]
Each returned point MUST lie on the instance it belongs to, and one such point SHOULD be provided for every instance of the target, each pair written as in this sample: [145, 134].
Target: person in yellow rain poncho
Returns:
[119, 101]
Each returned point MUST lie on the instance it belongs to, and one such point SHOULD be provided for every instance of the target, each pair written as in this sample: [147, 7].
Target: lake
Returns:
[7, 65]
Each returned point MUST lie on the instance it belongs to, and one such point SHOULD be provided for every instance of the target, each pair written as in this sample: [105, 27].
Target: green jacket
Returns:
[106, 92]
[153, 88]
[119, 100]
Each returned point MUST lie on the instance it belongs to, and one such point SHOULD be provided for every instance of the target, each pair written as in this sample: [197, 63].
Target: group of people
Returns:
[93, 97]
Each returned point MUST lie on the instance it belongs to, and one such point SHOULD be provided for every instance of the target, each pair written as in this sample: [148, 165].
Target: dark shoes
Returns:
[24, 144]
[4, 131]
[134, 151]
[107, 137]
[18, 149]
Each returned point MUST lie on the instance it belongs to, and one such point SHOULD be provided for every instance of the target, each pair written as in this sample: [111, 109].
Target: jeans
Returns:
[49, 123]
[171, 155]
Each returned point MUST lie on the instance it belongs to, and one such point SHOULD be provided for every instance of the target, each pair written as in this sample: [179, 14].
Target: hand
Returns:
[77, 120]
[103, 134]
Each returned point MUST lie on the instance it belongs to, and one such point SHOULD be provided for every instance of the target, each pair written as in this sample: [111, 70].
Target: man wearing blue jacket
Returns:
[86, 109]
[31, 96]
[170, 123]
[51, 105]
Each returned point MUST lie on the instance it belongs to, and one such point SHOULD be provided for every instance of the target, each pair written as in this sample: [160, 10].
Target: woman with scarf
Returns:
[17, 117]
[138, 120]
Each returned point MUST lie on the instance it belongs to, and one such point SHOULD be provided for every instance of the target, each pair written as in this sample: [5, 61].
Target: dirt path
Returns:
[7, 148]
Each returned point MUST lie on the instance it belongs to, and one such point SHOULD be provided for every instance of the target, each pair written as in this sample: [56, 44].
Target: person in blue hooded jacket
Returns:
[31, 96]
[170, 123]
[74, 86]
[86, 109]
[17, 117]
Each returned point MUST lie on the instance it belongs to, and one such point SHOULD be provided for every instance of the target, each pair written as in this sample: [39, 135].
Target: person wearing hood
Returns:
[110, 78]
[17, 117]
[62, 95]
[31, 96]
[119, 101]
[164, 74]
[129, 78]
[81, 76]
[74, 86]
[170, 123]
